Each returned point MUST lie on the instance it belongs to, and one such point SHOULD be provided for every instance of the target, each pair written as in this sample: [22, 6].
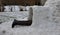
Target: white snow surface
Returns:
[15, 8]
[46, 21]
[43, 23]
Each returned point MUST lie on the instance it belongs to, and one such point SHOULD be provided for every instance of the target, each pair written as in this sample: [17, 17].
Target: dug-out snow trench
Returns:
[23, 18]
[26, 22]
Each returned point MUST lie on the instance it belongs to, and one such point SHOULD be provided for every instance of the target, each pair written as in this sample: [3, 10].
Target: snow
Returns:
[7, 9]
[15, 8]
[6, 16]
[55, 6]
[42, 23]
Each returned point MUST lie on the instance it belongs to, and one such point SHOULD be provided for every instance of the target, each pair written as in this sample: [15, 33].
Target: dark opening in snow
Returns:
[21, 23]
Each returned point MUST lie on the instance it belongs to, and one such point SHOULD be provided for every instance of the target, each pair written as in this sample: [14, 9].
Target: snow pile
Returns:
[7, 9]
[42, 20]
[51, 3]
[15, 8]
[55, 6]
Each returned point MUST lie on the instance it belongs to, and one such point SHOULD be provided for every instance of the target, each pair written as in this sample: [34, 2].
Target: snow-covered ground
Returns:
[46, 20]
[6, 16]
[43, 23]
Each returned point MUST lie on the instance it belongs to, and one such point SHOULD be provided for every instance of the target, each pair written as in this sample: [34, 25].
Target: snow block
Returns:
[40, 13]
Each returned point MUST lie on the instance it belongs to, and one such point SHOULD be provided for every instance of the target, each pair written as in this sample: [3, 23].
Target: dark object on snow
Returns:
[3, 31]
[0, 22]
[22, 23]
[21, 9]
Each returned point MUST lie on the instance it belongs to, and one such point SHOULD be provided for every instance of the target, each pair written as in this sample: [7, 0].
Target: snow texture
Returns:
[46, 21]
[42, 25]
